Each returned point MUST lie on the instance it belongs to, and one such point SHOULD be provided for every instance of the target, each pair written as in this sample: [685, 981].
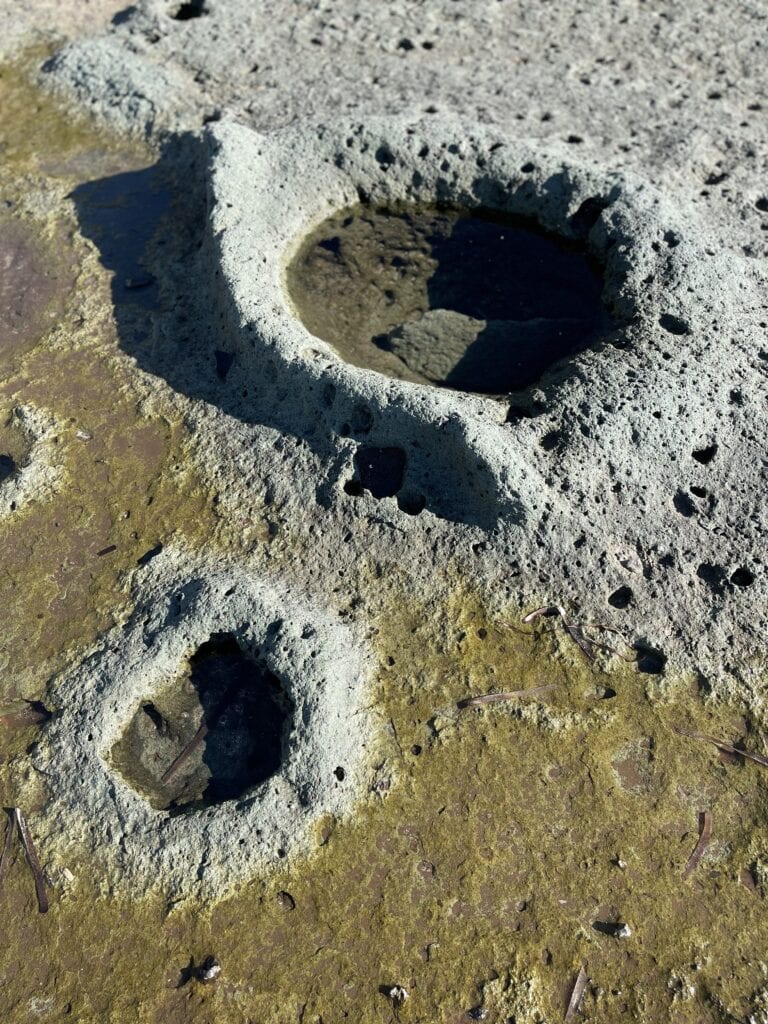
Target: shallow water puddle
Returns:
[35, 282]
[474, 300]
[209, 736]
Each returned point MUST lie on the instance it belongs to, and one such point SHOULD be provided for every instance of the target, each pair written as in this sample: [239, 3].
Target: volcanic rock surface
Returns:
[405, 365]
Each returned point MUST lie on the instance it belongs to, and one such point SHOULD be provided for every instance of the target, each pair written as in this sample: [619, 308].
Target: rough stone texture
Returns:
[34, 471]
[674, 92]
[629, 478]
[67, 18]
[589, 489]
[634, 468]
[486, 846]
[322, 667]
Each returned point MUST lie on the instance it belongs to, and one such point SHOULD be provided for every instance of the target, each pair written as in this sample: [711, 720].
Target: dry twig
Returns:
[705, 832]
[495, 698]
[727, 748]
[10, 834]
[34, 863]
[193, 744]
[577, 994]
[202, 732]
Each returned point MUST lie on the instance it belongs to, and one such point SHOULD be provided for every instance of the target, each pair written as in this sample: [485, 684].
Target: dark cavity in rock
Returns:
[475, 300]
[378, 470]
[743, 577]
[7, 467]
[621, 598]
[222, 724]
[187, 11]
[650, 660]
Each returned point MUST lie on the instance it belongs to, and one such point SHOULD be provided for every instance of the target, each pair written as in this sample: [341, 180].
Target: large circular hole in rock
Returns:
[210, 735]
[470, 299]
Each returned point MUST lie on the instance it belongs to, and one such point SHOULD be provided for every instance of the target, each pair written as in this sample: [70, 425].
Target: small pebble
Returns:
[209, 970]
[286, 901]
[398, 994]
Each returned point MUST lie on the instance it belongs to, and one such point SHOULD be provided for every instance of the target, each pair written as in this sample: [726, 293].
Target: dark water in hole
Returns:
[245, 710]
[7, 467]
[245, 721]
[472, 300]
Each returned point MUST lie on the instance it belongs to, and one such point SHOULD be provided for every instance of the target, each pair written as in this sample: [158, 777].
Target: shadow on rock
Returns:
[169, 325]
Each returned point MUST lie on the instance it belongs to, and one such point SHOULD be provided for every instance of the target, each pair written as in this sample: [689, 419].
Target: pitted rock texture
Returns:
[486, 851]
[181, 603]
[615, 474]
[624, 485]
[674, 92]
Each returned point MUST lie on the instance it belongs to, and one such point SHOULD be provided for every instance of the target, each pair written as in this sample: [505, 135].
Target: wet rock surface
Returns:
[385, 531]
[33, 288]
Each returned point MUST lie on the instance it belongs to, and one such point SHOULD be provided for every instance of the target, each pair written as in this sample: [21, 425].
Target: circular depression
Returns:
[476, 300]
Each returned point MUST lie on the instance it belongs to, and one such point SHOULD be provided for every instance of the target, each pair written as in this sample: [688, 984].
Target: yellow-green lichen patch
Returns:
[473, 873]
[126, 491]
[124, 482]
[40, 137]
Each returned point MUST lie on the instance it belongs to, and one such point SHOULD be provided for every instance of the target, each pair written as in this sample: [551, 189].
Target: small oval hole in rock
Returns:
[742, 577]
[705, 455]
[649, 660]
[210, 735]
[187, 11]
[621, 598]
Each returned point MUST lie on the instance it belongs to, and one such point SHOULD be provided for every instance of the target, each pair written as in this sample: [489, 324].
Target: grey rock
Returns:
[323, 667]
[634, 470]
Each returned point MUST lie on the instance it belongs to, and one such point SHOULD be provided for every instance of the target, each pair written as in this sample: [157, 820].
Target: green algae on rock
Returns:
[475, 869]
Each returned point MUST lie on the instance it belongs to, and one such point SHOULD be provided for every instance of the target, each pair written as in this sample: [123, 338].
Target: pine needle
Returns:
[577, 994]
[34, 863]
[495, 698]
[727, 748]
[705, 832]
[10, 835]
